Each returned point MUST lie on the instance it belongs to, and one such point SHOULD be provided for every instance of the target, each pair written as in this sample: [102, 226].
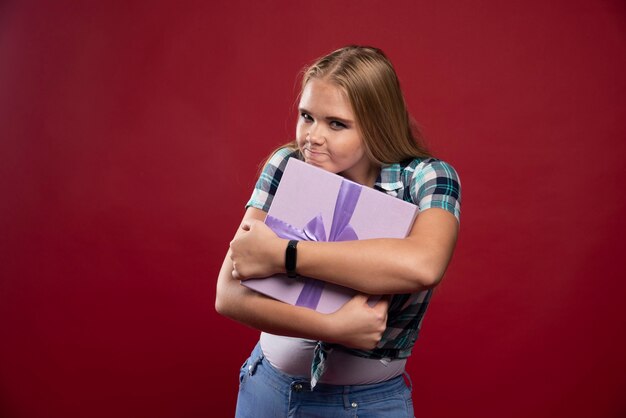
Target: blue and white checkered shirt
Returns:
[425, 182]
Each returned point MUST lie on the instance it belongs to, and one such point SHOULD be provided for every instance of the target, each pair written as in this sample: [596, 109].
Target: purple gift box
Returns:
[315, 205]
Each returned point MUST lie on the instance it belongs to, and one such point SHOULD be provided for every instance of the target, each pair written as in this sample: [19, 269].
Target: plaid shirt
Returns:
[425, 182]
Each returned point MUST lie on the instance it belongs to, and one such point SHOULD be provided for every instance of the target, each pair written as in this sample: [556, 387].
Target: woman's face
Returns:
[327, 133]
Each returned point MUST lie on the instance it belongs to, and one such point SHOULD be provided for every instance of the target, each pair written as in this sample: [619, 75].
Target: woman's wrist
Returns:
[328, 327]
[278, 256]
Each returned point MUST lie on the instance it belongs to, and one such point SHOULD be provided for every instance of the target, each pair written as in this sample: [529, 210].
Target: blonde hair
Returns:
[372, 87]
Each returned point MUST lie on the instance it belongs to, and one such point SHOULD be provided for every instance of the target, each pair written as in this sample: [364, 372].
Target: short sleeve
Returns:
[268, 181]
[435, 184]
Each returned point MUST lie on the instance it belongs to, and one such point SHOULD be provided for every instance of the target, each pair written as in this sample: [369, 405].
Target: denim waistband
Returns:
[368, 392]
[293, 356]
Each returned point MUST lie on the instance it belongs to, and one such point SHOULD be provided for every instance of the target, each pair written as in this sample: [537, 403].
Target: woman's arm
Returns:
[355, 325]
[375, 266]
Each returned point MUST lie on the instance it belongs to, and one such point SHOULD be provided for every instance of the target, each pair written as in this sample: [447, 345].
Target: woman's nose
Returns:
[316, 134]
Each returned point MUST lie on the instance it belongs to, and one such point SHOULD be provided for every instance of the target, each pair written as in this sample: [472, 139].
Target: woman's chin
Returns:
[320, 164]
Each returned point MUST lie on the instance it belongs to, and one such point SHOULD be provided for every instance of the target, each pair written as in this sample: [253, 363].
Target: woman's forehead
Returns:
[325, 97]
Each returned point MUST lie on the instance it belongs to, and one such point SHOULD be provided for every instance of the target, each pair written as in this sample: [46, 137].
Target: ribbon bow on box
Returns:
[314, 230]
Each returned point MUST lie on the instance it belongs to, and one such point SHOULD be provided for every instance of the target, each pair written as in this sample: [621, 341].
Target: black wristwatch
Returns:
[291, 255]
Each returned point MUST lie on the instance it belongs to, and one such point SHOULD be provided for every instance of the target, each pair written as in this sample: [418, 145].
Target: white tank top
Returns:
[293, 356]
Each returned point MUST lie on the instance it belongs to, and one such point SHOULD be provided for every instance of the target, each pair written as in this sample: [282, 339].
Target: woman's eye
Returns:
[306, 117]
[337, 125]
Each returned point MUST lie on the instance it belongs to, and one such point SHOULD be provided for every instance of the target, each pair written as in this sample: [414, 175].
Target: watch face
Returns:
[290, 258]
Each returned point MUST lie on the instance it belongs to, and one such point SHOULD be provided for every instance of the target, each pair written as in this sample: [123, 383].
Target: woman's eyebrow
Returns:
[339, 119]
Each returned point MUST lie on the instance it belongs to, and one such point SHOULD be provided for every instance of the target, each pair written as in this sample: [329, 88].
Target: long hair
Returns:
[370, 82]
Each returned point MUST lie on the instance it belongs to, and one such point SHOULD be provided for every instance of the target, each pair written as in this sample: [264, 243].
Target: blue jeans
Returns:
[265, 392]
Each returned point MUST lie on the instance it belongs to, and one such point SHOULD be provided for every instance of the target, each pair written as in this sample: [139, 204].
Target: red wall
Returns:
[130, 134]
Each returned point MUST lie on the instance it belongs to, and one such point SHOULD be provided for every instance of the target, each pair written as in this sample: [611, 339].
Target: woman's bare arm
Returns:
[375, 266]
[355, 325]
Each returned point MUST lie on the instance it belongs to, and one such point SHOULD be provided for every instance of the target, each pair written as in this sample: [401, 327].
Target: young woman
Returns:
[353, 122]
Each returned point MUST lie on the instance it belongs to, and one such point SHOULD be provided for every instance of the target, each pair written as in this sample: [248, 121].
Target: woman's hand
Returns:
[358, 325]
[258, 252]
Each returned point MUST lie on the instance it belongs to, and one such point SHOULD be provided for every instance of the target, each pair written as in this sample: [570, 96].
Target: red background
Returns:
[130, 137]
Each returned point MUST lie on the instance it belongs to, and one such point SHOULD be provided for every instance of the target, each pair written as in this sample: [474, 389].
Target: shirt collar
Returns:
[389, 178]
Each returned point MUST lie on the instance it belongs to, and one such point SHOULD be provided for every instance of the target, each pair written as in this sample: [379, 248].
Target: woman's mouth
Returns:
[313, 154]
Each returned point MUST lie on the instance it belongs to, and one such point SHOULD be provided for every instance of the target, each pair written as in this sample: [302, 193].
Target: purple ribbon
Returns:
[340, 230]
